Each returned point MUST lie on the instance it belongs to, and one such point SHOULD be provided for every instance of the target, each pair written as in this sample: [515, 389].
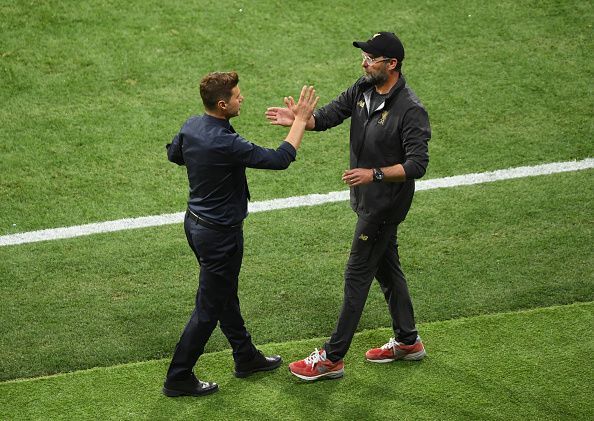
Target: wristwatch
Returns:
[378, 175]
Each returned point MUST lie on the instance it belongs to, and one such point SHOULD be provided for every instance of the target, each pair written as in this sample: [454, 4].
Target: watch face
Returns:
[378, 175]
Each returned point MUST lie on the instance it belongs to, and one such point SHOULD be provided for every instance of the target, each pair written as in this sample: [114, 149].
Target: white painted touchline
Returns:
[290, 202]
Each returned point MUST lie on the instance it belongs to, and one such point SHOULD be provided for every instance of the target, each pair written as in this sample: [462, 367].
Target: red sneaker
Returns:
[395, 350]
[317, 366]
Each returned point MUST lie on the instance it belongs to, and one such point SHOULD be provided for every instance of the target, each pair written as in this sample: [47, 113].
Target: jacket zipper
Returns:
[359, 152]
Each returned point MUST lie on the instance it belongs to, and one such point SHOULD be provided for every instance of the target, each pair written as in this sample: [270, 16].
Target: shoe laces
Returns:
[392, 343]
[315, 357]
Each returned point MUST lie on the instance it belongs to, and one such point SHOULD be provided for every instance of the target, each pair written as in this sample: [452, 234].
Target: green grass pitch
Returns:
[501, 274]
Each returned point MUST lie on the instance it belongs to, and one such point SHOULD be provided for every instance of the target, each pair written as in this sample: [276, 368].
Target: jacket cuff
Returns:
[316, 127]
[286, 146]
[413, 170]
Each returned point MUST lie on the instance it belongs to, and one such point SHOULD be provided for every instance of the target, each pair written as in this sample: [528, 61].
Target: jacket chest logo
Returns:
[382, 119]
[361, 104]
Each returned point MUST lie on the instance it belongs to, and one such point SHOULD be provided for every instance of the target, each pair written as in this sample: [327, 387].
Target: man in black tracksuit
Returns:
[389, 137]
[216, 157]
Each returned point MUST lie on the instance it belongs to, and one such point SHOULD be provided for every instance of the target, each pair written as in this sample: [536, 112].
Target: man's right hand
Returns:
[280, 116]
[299, 116]
[303, 109]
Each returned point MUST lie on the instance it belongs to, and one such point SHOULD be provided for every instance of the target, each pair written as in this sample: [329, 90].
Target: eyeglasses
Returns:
[371, 61]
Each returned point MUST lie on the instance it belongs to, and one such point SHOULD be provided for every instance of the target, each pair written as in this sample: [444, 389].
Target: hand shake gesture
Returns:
[286, 116]
[297, 115]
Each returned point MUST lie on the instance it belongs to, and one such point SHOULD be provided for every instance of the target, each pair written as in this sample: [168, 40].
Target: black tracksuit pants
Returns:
[374, 253]
[219, 254]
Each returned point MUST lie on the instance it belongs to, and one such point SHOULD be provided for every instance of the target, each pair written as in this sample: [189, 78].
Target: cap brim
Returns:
[365, 47]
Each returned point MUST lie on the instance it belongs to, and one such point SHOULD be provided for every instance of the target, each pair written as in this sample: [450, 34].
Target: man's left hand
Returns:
[358, 176]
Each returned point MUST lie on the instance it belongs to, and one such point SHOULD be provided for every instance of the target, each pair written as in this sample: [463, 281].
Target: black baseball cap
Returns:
[384, 44]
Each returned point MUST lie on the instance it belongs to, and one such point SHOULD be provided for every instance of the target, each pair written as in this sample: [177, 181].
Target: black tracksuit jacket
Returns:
[397, 132]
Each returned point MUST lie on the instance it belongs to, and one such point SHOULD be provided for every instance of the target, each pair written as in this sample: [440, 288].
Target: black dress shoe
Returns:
[258, 363]
[189, 387]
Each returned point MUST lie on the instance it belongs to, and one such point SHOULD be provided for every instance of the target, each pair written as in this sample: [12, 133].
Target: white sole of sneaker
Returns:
[388, 360]
[329, 375]
[416, 356]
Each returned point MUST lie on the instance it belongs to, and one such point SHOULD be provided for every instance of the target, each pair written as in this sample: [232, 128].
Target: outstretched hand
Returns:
[305, 107]
[280, 116]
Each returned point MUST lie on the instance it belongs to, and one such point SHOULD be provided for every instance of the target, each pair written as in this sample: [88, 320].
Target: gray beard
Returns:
[377, 79]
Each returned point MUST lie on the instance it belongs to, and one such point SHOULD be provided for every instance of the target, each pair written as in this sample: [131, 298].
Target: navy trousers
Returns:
[374, 254]
[219, 255]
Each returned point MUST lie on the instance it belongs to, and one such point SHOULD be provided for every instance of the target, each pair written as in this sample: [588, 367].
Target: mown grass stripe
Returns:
[291, 202]
[534, 374]
[272, 345]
